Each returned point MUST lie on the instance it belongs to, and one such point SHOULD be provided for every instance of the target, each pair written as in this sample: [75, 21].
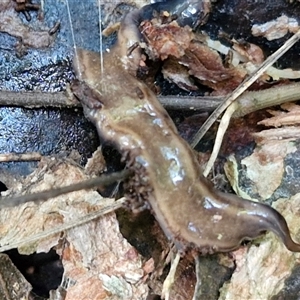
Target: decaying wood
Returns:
[13, 285]
[116, 266]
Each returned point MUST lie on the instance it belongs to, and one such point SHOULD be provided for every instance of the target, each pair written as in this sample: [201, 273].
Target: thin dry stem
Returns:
[197, 293]
[170, 278]
[84, 185]
[219, 138]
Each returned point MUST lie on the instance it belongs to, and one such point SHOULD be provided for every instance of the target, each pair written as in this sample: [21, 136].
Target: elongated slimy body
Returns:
[167, 175]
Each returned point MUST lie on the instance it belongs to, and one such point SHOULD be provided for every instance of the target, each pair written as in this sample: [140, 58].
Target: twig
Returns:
[248, 101]
[30, 156]
[205, 103]
[37, 99]
[87, 218]
[243, 86]
[253, 101]
[87, 184]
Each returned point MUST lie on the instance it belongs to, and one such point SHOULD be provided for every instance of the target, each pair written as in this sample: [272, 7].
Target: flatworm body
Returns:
[125, 111]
